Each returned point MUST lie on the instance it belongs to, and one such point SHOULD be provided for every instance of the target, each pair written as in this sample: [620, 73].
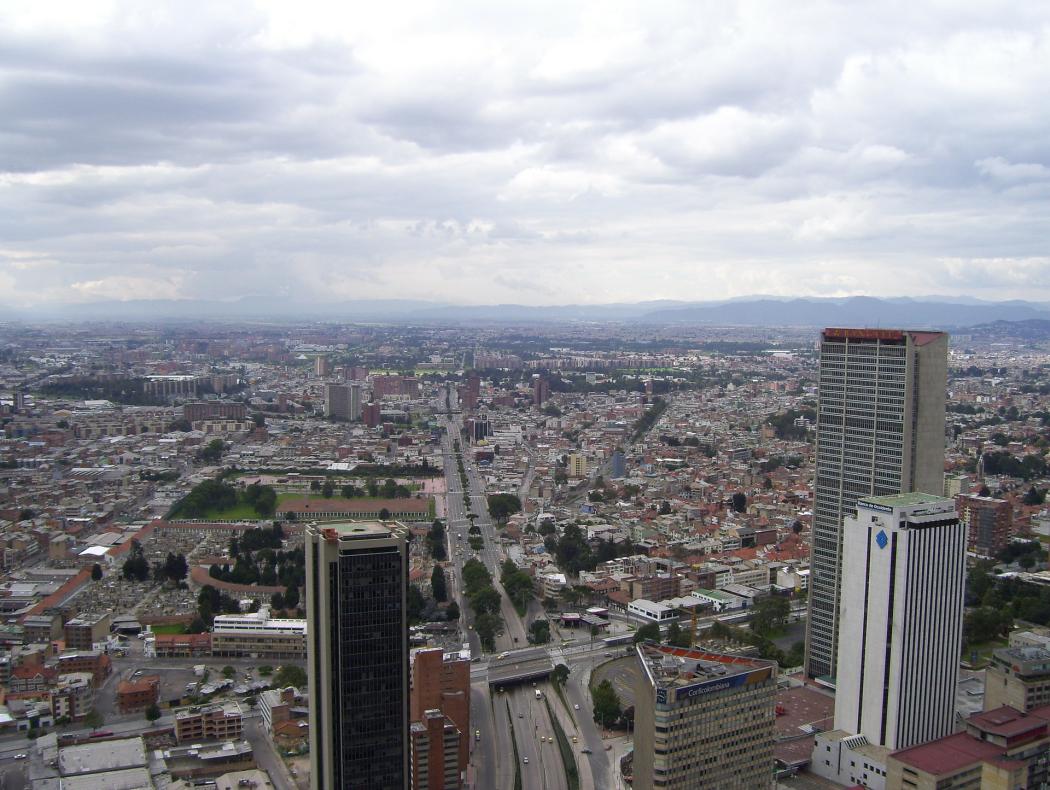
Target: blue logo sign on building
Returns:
[881, 539]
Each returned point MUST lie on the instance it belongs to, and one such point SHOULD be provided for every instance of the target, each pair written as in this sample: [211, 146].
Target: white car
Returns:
[576, 706]
[526, 761]
[21, 756]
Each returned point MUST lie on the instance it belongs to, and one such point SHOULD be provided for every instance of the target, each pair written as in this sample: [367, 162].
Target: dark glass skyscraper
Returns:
[357, 638]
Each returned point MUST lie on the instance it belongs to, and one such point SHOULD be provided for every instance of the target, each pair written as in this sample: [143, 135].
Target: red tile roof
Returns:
[307, 506]
[1007, 722]
[948, 755]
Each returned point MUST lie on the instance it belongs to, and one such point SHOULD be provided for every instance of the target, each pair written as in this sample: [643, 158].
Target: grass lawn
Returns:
[983, 650]
[245, 512]
[173, 628]
[241, 511]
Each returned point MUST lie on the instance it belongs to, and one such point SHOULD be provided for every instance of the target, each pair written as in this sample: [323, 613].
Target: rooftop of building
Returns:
[955, 752]
[1021, 656]
[89, 758]
[349, 530]
[678, 667]
[905, 500]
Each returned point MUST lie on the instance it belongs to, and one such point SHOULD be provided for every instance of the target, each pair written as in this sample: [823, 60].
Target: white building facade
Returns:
[904, 571]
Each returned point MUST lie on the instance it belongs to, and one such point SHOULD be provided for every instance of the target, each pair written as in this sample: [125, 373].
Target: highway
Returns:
[457, 532]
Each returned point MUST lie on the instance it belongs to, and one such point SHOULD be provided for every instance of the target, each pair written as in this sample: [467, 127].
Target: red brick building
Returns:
[441, 681]
[137, 695]
[989, 523]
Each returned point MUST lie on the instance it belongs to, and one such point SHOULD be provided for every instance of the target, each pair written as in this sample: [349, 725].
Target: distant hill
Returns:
[932, 312]
[854, 311]
[1032, 330]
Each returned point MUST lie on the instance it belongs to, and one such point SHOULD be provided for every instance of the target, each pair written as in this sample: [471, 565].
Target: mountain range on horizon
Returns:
[911, 312]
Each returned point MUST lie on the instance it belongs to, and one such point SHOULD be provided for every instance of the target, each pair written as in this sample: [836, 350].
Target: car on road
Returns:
[521, 715]
[585, 750]
[608, 655]
[526, 761]
[21, 756]
[576, 706]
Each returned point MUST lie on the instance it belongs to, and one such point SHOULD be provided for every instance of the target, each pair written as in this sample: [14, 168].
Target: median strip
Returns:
[514, 743]
[568, 759]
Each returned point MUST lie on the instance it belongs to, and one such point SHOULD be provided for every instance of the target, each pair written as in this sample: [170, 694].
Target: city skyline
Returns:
[603, 153]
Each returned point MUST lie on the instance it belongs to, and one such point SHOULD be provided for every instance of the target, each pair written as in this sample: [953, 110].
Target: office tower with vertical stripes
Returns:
[357, 655]
[904, 571]
[880, 431]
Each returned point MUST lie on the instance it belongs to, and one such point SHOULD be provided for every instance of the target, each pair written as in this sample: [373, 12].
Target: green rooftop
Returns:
[903, 500]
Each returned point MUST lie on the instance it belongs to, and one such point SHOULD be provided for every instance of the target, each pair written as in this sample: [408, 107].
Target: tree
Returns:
[739, 502]
[648, 632]
[290, 675]
[665, 508]
[277, 601]
[152, 712]
[676, 637]
[1034, 496]
[96, 572]
[384, 515]
[136, 566]
[416, 603]
[540, 632]
[228, 671]
[561, 674]
[607, 708]
[291, 597]
[93, 719]
[437, 584]
[770, 614]
[488, 627]
[327, 489]
[452, 611]
[502, 506]
[212, 452]
[486, 601]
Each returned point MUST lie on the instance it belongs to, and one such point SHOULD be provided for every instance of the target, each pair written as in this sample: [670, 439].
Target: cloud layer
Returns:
[539, 153]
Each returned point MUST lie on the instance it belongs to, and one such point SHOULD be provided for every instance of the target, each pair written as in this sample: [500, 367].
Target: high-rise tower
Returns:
[880, 431]
[357, 655]
[904, 570]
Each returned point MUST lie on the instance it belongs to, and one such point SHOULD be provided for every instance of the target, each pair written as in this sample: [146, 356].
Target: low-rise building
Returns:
[650, 611]
[1018, 677]
[86, 631]
[212, 722]
[1000, 748]
[257, 635]
[137, 695]
[849, 760]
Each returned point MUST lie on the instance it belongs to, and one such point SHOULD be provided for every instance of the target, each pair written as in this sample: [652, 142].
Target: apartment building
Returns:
[213, 722]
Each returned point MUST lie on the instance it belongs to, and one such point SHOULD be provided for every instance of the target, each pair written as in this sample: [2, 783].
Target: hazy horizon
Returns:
[533, 154]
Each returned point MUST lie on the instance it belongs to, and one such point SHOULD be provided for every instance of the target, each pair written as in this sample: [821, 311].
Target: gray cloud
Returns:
[531, 153]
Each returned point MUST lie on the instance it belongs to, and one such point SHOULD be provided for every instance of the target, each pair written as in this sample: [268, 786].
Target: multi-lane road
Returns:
[457, 528]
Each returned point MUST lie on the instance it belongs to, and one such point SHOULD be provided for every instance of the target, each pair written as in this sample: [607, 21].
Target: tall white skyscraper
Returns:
[900, 633]
[880, 430]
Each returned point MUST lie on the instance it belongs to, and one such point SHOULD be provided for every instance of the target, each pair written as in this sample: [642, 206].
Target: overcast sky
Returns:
[543, 154]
